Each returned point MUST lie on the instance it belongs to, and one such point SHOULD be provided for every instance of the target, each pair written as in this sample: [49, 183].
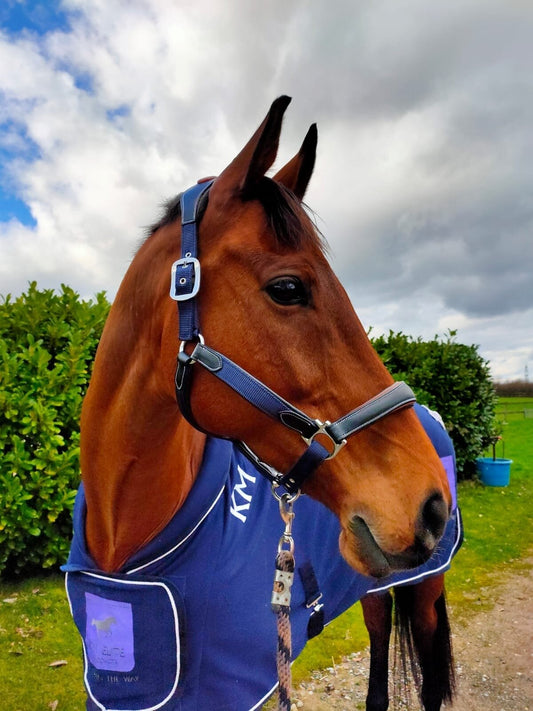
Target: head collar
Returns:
[185, 284]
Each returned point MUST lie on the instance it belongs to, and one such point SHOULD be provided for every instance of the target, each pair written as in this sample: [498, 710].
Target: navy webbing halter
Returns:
[185, 283]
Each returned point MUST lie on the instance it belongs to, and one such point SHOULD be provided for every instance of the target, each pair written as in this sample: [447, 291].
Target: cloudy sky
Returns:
[424, 179]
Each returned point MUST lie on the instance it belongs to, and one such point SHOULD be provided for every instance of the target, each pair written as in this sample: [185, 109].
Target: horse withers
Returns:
[173, 522]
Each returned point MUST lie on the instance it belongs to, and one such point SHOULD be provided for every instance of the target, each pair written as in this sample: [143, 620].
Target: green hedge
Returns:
[451, 378]
[47, 344]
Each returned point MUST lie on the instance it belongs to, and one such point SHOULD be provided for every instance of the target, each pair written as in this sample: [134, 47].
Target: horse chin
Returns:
[360, 550]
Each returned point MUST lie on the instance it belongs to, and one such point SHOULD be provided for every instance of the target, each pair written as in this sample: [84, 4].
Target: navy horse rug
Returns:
[187, 624]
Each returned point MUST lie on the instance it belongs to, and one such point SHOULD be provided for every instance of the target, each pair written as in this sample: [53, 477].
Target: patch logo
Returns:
[109, 634]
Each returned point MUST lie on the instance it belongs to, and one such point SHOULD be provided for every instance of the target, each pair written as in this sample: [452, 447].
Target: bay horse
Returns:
[175, 525]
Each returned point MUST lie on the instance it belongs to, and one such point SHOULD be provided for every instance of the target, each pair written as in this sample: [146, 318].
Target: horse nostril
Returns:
[433, 518]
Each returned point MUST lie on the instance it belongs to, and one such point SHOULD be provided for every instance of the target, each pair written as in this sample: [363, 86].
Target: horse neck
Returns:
[139, 457]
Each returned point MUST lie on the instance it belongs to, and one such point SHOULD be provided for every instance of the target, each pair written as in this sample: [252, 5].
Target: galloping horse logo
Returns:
[103, 627]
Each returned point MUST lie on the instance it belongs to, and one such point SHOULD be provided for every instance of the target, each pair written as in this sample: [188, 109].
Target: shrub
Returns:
[451, 378]
[47, 345]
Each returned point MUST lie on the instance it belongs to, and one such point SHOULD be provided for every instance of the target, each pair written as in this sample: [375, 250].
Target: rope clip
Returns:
[281, 594]
[286, 504]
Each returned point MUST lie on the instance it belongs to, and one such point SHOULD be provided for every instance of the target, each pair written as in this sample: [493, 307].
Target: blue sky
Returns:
[39, 16]
[20, 18]
[16, 146]
[423, 181]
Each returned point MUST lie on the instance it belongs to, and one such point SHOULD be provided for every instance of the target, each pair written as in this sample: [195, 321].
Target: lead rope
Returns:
[281, 599]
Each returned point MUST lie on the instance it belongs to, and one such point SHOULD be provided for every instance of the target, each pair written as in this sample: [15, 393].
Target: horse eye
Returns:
[288, 291]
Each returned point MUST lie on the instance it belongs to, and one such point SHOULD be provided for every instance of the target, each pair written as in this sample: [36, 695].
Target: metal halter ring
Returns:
[322, 430]
[284, 499]
[199, 337]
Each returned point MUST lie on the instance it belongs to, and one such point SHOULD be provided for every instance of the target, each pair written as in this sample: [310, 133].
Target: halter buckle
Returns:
[186, 286]
[322, 430]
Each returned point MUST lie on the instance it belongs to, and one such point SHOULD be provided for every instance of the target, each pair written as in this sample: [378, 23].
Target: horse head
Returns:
[271, 303]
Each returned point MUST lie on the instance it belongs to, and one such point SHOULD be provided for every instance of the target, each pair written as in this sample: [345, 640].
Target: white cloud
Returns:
[422, 180]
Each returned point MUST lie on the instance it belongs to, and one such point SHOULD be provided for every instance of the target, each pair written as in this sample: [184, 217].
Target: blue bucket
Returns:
[494, 472]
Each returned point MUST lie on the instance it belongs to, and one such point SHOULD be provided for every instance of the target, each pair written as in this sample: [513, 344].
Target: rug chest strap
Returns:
[312, 599]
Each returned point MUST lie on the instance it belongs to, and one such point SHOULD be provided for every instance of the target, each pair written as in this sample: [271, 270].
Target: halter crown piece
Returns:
[185, 284]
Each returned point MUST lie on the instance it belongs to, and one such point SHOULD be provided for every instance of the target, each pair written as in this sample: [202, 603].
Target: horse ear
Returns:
[251, 164]
[297, 173]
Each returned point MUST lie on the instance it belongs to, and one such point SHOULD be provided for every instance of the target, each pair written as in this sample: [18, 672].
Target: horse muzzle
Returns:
[378, 562]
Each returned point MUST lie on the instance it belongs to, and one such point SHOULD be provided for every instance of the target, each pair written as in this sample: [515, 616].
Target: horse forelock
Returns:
[291, 222]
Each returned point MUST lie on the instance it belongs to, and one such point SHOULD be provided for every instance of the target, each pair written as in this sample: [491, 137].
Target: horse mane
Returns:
[291, 221]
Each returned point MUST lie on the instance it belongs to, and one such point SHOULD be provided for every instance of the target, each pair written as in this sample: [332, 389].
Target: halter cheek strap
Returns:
[184, 288]
[185, 273]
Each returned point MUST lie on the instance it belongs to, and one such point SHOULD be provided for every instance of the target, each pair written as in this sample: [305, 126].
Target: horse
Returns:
[103, 626]
[203, 423]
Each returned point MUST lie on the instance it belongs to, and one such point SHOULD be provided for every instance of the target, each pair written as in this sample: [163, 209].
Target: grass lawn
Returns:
[40, 652]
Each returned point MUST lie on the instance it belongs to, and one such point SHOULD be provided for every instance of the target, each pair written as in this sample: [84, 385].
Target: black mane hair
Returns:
[291, 224]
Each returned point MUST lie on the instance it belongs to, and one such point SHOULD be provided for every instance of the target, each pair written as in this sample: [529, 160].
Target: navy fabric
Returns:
[218, 552]
[187, 274]
[252, 389]
[313, 456]
[123, 639]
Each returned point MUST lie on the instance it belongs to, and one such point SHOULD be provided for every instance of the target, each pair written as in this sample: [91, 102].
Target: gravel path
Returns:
[493, 652]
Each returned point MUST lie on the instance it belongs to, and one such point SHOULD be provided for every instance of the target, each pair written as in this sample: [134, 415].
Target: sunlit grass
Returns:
[40, 651]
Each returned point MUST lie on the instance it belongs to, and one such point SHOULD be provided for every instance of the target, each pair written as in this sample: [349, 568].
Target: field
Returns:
[40, 664]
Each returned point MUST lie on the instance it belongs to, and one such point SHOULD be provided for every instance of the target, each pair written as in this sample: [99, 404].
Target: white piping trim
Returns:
[176, 630]
[180, 543]
[427, 573]
[265, 698]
